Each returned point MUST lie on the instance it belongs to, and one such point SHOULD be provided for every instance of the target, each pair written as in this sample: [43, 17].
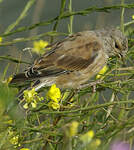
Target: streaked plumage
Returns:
[75, 59]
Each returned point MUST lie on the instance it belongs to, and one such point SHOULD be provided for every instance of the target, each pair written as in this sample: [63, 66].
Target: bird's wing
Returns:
[74, 53]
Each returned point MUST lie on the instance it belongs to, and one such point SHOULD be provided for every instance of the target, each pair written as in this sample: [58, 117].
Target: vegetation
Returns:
[54, 119]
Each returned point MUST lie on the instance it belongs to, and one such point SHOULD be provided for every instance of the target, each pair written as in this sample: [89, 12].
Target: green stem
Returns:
[122, 16]
[99, 106]
[21, 17]
[66, 15]
[70, 26]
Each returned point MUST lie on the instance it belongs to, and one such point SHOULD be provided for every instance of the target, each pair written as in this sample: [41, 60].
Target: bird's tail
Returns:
[21, 77]
[21, 80]
[38, 83]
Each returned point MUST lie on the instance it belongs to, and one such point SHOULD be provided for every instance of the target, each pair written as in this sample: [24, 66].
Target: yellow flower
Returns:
[54, 93]
[24, 149]
[1, 39]
[54, 105]
[38, 46]
[102, 72]
[73, 128]
[13, 138]
[31, 97]
[87, 137]
[132, 16]
[25, 106]
[94, 144]
[97, 142]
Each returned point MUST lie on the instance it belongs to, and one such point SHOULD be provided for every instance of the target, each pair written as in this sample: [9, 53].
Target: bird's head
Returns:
[118, 44]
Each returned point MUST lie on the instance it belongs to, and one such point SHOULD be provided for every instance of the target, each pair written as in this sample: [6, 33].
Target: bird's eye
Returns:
[116, 45]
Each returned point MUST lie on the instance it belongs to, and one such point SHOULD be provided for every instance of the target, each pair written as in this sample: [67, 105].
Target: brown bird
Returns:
[74, 60]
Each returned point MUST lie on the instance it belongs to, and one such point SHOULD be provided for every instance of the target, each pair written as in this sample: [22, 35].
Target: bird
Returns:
[74, 60]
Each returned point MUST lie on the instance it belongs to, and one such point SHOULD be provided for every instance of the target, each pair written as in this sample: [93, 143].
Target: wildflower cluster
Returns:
[31, 97]
[54, 95]
[38, 46]
[88, 140]
[87, 137]
[13, 137]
